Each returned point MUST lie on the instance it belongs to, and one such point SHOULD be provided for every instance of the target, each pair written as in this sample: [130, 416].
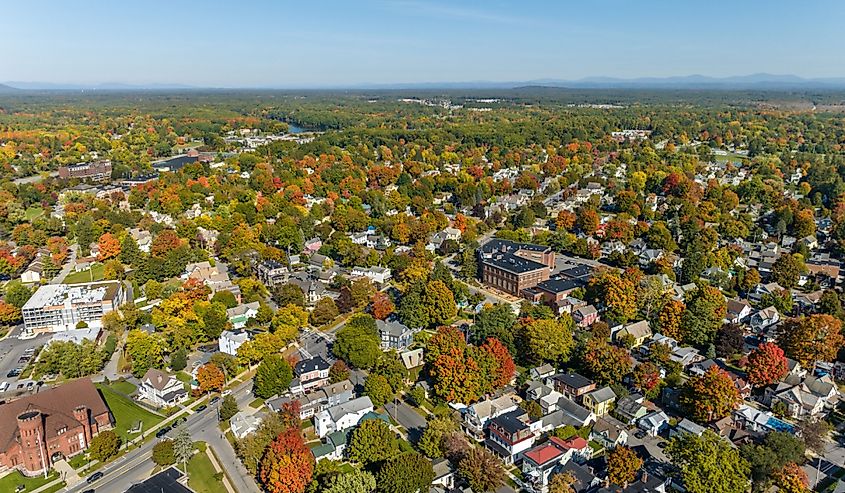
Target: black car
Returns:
[214, 400]
[202, 408]
[164, 431]
[97, 475]
[89, 491]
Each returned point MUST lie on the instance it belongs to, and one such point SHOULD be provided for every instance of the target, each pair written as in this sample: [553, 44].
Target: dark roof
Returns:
[308, 365]
[502, 254]
[511, 422]
[166, 481]
[577, 272]
[559, 285]
[176, 162]
[573, 380]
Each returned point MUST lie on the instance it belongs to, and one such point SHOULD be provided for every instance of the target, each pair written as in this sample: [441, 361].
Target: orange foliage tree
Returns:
[109, 247]
[287, 466]
[382, 306]
[211, 378]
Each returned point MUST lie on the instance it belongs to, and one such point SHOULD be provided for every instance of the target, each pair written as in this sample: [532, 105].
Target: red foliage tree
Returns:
[164, 242]
[382, 306]
[766, 365]
[287, 466]
[503, 365]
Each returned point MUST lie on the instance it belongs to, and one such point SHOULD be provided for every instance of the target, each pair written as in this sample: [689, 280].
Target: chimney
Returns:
[644, 477]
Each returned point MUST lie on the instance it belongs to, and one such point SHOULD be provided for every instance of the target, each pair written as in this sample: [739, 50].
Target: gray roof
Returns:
[351, 407]
[603, 394]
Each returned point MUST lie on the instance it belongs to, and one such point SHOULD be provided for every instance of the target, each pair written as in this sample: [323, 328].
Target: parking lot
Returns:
[12, 350]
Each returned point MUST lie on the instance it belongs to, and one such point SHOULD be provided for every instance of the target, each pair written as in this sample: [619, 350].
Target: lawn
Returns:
[201, 473]
[127, 413]
[10, 481]
[33, 212]
[95, 273]
[257, 403]
[125, 387]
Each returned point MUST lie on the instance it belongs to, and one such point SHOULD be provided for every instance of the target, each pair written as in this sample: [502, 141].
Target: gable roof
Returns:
[157, 378]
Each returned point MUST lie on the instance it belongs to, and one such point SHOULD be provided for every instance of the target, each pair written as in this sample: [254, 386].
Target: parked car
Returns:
[97, 475]
[202, 408]
[164, 431]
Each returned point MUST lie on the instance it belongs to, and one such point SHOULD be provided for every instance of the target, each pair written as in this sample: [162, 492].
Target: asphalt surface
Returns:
[137, 465]
[11, 349]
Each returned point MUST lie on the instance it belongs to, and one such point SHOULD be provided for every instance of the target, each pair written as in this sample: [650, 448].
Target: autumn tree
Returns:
[503, 367]
[104, 446]
[562, 482]
[338, 372]
[9, 314]
[646, 378]
[482, 470]
[287, 465]
[811, 339]
[791, 478]
[730, 340]
[710, 396]
[381, 305]
[616, 292]
[109, 247]
[163, 454]
[766, 365]
[787, 269]
[210, 378]
[622, 466]
[324, 312]
[165, 242]
[546, 341]
[669, 319]
[605, 363]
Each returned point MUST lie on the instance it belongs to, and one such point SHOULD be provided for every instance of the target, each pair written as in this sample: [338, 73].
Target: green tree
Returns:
[356, 481]
[163, 454]
[372, 441]
[228, 407]
[145, 351]
[708, 463]
[324, 312]
[289, 294]
[495, 321]
[378, 390]
[17, 294]
[104, 446]
[547, 341]
[183, 446]
[406, 473]
[358, 342]
[787, 269]
[272, 377]
[431, 440]
[705, 310]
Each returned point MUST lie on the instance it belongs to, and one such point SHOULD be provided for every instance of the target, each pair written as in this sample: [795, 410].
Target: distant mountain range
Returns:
[754, 81]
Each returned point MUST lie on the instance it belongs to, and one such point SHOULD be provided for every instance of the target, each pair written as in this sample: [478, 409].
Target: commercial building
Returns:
[57, 307]
[93, 171]
[513, 267]
[54, 424]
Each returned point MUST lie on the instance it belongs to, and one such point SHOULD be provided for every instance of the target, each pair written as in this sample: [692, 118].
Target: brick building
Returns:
[58, 423]
[93, 171]
[513, 267]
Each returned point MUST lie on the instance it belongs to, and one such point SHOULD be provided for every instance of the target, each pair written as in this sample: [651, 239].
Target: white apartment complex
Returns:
[59, 307]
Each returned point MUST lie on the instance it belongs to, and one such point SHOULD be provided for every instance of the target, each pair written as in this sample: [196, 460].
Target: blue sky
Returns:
[315, 43]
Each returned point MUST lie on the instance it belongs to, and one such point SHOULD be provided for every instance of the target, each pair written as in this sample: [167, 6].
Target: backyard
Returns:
[126, 413]
[95, 273]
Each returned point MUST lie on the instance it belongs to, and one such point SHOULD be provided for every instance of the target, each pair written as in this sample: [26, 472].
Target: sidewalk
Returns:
[217, 468]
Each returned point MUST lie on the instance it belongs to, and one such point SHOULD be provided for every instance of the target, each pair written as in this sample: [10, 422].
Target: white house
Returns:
[242, 424]
[376, 274]
[342, 417]
[230, 341]
[240, 314]
[654, 423]
[161, 389]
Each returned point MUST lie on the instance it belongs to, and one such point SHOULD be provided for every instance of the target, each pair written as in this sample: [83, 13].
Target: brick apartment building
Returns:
[37, 430]
[93, 171]
[512, 267]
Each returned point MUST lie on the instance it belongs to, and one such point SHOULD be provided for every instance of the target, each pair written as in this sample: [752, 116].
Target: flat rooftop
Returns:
[73, 294]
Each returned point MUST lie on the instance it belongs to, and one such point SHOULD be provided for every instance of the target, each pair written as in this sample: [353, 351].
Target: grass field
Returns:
[33, 212]
[10, 481]
[125, 387]
[257, 403]
[201, 473]
[127, 413]
[94, 274]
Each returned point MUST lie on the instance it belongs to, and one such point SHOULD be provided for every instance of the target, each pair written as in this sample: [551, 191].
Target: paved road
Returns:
[136, 465]
[69, 265]
[407, 417]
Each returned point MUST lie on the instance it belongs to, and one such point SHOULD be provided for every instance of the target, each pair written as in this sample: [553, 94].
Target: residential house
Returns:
[310, 374]
[764, 319]
[476, 416]
[333, 448]
[737, 311]
[609, 432]
[539, 462]
[444, 476]
[600, 401]
[567, 412]
[638, 332]
[542, 372]
[573, 385]
[394, 334]
[585, 316]
[686, 426]
[803, 397]
[654, 423]
[243, 423]
[342, 416]
[271, 272]
[161, 389]
[230, 341]
[240, 314]
[33, 272]
[318, 400]
[630, 409]
[509, 435]
[379, 275]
